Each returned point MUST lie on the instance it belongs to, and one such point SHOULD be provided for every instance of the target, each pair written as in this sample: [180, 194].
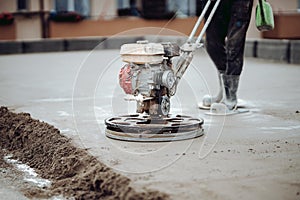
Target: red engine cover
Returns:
[125, 79]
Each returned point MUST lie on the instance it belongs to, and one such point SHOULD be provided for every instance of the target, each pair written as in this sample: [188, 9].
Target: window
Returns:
[80, 6]
[123, 4]
[83, 7]
[127, 8]
[22, 5]
[182, 8]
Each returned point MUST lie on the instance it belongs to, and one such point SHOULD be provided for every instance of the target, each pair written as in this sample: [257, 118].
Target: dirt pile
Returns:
[72, 171]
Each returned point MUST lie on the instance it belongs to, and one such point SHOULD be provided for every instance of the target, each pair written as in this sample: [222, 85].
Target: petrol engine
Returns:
[148, 75]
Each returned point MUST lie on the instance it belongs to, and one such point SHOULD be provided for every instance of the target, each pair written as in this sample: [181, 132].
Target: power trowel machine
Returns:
[150, 78]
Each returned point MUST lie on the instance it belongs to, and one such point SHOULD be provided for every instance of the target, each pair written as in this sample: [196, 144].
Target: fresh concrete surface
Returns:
[255, 155]
[10, 192]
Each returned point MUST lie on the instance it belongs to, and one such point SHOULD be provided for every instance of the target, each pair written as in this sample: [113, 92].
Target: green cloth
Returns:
[264, 17]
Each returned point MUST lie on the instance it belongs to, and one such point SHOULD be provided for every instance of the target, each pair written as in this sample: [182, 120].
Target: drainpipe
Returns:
[43, 20]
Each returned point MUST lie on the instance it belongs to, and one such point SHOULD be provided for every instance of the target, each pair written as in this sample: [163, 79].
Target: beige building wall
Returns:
[11, 5]
[284, 5]
[27, 26]
[103, 9]
[30, 27]
[7, 5]
[278, 6]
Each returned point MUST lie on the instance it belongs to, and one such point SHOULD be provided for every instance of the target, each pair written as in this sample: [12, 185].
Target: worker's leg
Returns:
[238, 25]
[216, 34]
[215, 46]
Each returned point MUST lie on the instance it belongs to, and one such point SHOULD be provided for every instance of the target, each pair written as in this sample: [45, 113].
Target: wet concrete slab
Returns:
[252, 155]
[10, 192]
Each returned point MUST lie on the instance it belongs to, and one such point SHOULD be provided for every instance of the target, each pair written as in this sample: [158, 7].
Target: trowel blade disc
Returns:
[143, 128]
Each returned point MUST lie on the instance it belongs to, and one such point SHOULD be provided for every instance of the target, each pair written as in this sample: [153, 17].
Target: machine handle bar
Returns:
[206, 23]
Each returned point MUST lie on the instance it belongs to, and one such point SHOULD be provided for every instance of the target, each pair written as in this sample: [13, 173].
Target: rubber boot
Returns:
[208, 100]
[231, 83]
[228, 105]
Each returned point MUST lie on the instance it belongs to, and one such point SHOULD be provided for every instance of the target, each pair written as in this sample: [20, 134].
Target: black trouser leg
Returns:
[226, 34]
[236, 36]
[216, 34]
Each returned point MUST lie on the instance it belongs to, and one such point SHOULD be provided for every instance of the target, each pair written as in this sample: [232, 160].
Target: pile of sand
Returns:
[72, 171]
